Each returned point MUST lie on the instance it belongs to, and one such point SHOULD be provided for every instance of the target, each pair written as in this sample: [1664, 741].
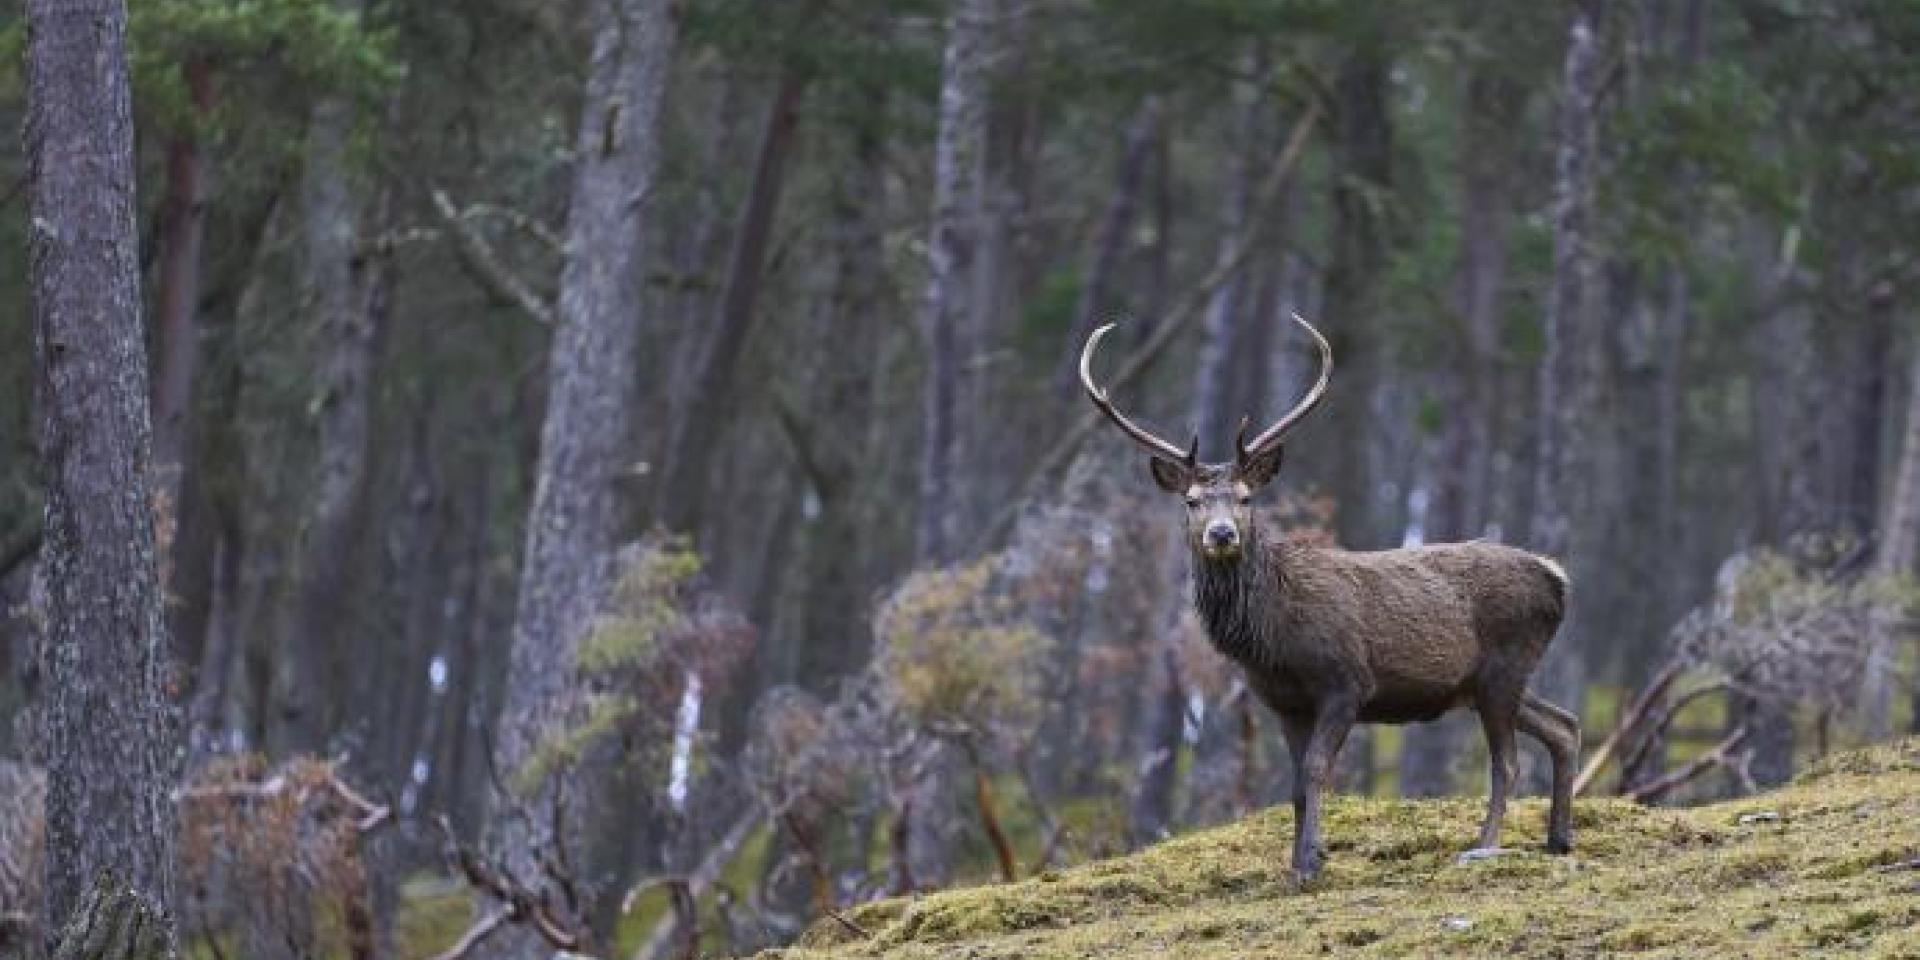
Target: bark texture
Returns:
[1568, 371]
[959, 166]
[114, 923]
[311, 685]
[109, 741]
[574, 520]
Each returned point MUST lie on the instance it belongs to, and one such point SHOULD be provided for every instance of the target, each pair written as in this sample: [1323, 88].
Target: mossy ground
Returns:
[1826, 869]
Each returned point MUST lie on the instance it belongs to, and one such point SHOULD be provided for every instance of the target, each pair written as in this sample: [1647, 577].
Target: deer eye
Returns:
[1193, 501]
[1245, 499]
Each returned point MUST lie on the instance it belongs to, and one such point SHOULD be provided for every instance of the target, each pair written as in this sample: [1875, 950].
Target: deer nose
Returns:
[1221, 534]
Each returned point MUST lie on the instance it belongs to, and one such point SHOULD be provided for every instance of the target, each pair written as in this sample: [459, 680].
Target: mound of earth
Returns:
[1827, 865]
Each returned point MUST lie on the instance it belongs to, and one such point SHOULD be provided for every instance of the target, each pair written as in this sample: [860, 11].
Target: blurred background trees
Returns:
[460, 316]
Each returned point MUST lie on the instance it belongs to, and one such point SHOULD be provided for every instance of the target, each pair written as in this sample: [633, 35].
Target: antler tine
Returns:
[1099, 397]
[1273, 434]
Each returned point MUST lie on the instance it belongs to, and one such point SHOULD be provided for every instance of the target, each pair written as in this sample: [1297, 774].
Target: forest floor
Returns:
[1827, 864]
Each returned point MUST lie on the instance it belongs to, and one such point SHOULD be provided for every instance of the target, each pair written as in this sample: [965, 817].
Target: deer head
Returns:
[1219, 496]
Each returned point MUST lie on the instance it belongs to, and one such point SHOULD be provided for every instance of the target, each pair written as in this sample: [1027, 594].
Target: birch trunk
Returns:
[109, 741]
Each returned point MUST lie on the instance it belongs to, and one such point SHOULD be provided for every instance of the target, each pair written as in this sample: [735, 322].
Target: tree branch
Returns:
[1720, 755]
[703, 877]
[1629, 721]
[484, 264]
[474, 936]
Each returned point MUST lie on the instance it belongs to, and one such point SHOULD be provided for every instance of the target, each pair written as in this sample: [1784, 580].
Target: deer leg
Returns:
[1330, 726]
[1497, 720]
[1559, 732]
[1297, 730]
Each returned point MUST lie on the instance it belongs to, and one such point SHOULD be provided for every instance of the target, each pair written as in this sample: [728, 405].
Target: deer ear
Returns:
[1172, 477]
[1259, 469]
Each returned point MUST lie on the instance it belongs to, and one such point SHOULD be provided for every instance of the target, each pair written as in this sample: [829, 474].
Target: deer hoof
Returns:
[1478, 854]
[1560, 845]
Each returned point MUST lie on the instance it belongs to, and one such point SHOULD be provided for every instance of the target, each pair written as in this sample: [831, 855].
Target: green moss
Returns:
[1671, 883]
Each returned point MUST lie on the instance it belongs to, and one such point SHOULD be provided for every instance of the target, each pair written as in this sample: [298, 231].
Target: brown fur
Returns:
[1330, 638]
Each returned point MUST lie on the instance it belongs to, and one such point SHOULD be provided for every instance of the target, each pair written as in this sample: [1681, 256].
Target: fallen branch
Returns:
[485, 265]
[1720, 755]
[369, 815]
[1629, 721]
[851, 927]
[1665, 718]
[698, 882]
[1061, 452]
[475, 935]
[521, 905]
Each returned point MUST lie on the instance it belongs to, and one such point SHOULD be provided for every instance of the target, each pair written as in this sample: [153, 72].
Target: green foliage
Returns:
[657, 627]
[648, 600]
[1705, 145]
[563, 748]
[311, 46]
[953, 650]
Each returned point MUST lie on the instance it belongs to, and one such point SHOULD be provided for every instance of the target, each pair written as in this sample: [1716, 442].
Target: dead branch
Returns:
[368, 815]
[475, 935]
[1665, 718]
[1629, 722]
[1720, 756]
[520, 220]
[1051, 829]
[522, 905]
[485, 265]
[847, 924]
[703, 878]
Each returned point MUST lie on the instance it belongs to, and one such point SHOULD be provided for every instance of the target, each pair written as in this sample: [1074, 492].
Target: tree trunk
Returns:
[1110, 239]
[1894, 553]
[311, 670]
[839, 570]
[109, 742]
[573, 522]
[697, 430]
[1363, 145]
[186, 555]
[952, 246]
[1569, 363]
[1462, 497]
[1787, 455]
[115, 923]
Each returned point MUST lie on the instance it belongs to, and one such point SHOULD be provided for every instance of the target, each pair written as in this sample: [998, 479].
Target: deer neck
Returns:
[1239, 602]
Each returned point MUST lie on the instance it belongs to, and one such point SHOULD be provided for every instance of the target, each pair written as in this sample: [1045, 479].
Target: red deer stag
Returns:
[1330, 638]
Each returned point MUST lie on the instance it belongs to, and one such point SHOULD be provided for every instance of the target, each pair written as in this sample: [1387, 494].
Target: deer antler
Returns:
[1146, 439]
[1275, 433]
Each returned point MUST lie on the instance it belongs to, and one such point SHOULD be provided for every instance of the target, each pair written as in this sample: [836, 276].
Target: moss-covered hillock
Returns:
[1826, 865]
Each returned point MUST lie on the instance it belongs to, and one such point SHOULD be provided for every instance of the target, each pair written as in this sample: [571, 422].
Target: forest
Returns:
[613, 478]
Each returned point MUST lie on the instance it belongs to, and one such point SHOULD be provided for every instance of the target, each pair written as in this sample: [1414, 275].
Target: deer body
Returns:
[1329, 638]
[1411, 634]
